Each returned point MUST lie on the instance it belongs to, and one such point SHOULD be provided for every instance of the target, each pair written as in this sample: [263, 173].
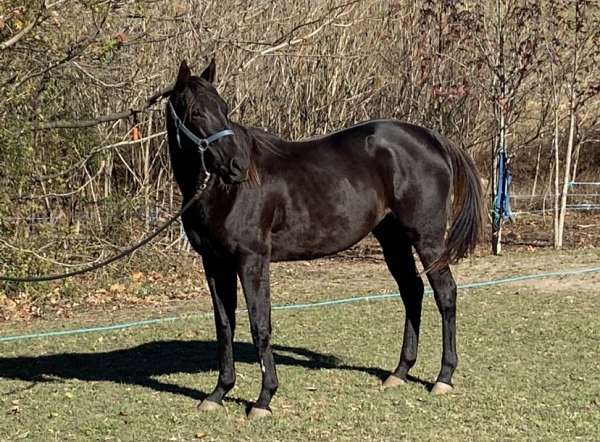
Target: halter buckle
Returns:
[203, 145]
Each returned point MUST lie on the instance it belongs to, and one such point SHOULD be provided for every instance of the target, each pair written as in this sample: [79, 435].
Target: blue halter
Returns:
[202, 144]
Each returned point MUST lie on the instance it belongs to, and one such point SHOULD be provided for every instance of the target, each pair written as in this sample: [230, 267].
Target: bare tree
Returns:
[506, 42]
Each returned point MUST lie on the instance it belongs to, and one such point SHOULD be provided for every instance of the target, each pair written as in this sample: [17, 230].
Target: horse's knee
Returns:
[446, 304]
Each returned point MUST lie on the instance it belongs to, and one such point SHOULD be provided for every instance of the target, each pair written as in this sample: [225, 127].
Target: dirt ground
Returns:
[176, 285]
[525, 232]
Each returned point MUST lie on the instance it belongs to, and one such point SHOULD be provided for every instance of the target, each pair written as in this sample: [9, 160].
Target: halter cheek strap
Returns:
[202, 144]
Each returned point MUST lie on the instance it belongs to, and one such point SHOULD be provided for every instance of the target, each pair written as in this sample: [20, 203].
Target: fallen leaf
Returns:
[121, 38]
[10, 304]
[200, 435]
[117, 287]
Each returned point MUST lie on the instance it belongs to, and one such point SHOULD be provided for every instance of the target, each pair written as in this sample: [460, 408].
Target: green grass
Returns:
[529, 369]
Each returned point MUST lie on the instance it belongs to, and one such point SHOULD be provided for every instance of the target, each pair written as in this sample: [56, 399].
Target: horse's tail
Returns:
[468, 217]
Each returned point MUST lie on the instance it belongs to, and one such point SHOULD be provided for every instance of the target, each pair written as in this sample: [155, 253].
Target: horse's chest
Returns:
[205, 235]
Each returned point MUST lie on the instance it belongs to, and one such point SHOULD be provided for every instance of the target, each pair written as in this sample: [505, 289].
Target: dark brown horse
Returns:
[266, 199]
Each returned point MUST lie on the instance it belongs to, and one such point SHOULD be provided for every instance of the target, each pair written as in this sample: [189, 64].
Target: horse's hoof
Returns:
[441, 388]
[207, 405]
[393, 381]
[258, 413]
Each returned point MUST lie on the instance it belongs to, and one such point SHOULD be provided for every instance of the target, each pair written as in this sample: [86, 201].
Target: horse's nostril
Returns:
[234, 165]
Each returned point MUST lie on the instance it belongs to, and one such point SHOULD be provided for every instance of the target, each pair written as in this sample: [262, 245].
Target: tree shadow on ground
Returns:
[141, 365]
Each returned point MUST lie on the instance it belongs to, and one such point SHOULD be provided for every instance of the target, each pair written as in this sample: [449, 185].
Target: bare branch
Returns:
[294, 41]
[19, 35]
[78, 124]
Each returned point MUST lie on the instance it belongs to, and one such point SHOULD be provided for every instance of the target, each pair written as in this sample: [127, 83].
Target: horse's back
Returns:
[403, 160]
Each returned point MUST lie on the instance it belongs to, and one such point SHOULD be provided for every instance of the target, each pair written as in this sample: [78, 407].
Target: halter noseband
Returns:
[202, 144]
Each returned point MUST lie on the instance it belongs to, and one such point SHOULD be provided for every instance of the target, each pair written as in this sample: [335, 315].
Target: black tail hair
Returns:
[468, 217]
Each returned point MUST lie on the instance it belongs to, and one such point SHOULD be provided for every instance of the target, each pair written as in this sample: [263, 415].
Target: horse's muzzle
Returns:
[238, 172]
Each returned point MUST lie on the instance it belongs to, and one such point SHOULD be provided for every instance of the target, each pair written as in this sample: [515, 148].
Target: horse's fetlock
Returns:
[227, 383]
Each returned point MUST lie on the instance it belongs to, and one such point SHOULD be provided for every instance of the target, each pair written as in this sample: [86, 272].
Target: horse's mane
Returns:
[264, 141]
[260, 142]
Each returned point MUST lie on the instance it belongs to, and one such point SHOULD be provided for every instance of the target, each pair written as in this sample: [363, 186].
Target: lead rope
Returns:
[119, 255]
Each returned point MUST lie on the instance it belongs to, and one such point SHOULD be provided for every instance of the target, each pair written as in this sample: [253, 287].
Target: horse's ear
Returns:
[183, 76]
[210, 72]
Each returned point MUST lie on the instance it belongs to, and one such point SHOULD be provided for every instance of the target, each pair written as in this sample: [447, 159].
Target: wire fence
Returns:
[539, 204]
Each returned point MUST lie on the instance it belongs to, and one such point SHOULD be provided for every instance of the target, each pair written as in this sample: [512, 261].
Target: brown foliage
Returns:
[297, 68]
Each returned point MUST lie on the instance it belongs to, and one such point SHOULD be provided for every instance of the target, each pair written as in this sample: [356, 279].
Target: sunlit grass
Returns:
[529, 369]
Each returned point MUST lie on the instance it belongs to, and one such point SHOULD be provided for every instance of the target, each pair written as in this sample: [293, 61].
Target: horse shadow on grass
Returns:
[143, 364]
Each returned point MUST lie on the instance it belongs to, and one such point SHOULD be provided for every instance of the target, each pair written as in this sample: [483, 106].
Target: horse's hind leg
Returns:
[444, 289]
[397, 251]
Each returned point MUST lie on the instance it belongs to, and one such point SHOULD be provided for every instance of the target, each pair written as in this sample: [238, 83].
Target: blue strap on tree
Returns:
[501, 207]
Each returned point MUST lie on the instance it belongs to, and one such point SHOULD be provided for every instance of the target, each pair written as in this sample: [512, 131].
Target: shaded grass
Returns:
[529, 369]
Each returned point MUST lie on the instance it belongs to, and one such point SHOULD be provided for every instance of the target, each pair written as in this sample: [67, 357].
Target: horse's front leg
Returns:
[254, 276]
[222, 282]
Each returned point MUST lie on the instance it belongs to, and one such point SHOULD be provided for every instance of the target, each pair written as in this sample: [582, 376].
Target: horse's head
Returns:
[198, 108]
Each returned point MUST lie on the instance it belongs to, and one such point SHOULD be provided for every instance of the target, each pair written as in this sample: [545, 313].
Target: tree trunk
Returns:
[501, 121]
[572, 128]
[502, 147]
[565, 188]
[537, 174]
[548, 185]
[575, 162]
[556, 177]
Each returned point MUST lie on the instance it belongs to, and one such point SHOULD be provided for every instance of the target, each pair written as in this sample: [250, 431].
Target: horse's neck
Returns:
[268, 150]
[186, 174]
